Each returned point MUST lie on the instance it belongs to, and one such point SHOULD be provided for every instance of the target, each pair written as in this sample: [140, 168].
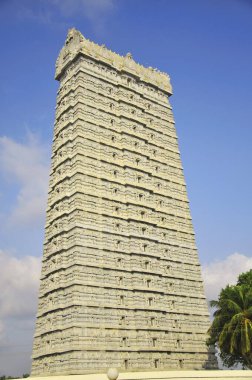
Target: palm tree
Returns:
[245, 278]
[231, 329]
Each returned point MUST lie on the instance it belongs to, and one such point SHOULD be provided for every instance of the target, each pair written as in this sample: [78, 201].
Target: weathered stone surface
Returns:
[121, 282]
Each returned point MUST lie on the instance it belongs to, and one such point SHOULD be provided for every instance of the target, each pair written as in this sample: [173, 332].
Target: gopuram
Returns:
[121, 281]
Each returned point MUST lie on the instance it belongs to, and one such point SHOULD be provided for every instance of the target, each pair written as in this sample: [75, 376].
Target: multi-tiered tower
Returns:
[121, 282]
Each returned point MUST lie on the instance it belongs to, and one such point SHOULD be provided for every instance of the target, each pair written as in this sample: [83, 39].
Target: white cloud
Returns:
[1, 330]
[49, 11]
[27, 164]
[96, 11]
[220, 273]
[89, 8]
[19, 281]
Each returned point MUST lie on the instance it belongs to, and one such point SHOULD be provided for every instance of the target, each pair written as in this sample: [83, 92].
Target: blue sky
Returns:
[205, 47]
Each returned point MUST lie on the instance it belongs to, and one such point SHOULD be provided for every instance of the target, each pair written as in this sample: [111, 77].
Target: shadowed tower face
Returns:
[121, 282]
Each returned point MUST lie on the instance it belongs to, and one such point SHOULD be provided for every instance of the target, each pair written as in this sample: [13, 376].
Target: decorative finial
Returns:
[129, 56]
[74, 35]
[113, 373]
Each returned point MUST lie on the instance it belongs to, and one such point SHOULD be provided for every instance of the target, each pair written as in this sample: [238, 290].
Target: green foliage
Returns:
[231, 329]
[245, 278]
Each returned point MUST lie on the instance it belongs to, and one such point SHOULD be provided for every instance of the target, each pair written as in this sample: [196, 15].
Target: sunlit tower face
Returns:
[121, 282]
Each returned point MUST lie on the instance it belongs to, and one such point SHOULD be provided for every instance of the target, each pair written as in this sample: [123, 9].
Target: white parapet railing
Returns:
[158, 375]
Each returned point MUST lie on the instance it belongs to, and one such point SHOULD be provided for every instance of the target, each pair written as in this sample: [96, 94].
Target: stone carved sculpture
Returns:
[121, 282]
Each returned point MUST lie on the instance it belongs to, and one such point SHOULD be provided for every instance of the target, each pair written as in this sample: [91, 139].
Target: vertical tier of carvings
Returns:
[121, 283]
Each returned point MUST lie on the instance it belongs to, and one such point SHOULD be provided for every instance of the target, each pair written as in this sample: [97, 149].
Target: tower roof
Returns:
[76, 44]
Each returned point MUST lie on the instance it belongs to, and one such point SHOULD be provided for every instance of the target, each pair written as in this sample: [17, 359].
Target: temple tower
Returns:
[121, 282]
